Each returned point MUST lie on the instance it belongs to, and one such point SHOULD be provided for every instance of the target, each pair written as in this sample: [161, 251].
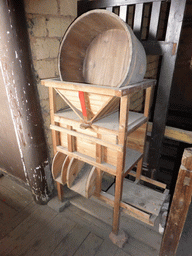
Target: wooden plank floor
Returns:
[30, 229]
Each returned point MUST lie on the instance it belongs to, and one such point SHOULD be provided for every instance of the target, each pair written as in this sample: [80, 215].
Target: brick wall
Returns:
[47, 22]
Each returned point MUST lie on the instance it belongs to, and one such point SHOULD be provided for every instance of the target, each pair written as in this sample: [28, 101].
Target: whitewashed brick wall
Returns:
[47, 22]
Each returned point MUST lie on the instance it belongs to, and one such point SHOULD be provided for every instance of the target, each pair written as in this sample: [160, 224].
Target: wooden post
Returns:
[99, 159]
[117, 236]
[146, 113]
[124, 108]
[179, 206]
[55, 136]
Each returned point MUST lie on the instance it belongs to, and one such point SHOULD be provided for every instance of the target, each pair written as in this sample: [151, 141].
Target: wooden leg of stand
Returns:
[60, 191]
[99, 159]
[117, 200]
[179, 206]
[122, 137]
[139, 169]
[98, 182]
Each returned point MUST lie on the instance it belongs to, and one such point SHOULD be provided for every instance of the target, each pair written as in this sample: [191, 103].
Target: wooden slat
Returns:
[130, 210]
[73, 170]
[55, 136]
[107, 124]
[141, 197]
[175, 134]
[79, 181]
[99, 159]
[57, 167]
[146, 179]
[123, 12]
[147, 101]
[90, 160]
[91, 184]
[52, 102]
[82, 7]
[154, 20]
[112, 105]
[138, 20]
[81, 135]
[103, 90]
[139, 169]
[70, 139]
[175, 21]
[77, 112]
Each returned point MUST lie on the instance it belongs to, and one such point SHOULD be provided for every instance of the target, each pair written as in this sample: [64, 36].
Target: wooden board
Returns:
[70, 244]
[89, 246]
[103, 90]
[136, 139]
[94, 102]
[58, 166]
[141, 197]
[110, 122]
[73, 170]
[104, 166]
[104, 63]
[81, 183]
[132, 157]
[91, 184]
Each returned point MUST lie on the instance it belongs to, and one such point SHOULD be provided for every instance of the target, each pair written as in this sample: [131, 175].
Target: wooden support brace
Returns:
[139, 169]
[179, 206]
[99, 159]
[146, 113]
[55, 137]
[60, 191]
[124, 109]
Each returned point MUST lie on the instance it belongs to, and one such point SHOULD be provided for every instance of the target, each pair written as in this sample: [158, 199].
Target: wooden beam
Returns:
[173, 31]
[84, 6]
[119, 148]
[175, 133]
[98, 89]
[179, 206]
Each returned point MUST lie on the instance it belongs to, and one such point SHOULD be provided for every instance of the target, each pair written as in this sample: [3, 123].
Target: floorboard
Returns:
[27, 228]
[10, 221]
[107, 249]
[25, 234]
[49, 237]
[70, 243]
[90, 246]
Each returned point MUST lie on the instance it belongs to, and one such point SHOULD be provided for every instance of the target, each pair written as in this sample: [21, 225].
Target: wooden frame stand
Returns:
[85, 147]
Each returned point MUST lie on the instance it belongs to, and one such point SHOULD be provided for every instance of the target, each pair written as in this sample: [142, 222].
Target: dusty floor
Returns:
[30, 229]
